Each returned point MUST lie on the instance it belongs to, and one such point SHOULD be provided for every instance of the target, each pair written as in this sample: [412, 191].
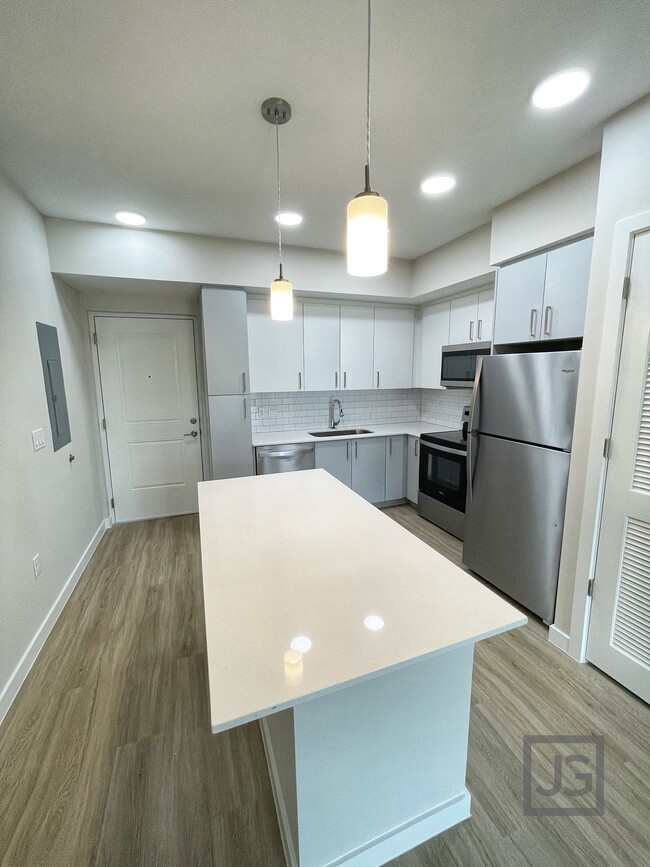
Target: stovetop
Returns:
[453, 439]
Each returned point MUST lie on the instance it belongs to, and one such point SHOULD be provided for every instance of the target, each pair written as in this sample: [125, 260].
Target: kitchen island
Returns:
[352, 642]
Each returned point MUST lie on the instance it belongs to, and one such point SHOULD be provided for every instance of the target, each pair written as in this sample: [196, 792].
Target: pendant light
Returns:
[367, 236]
[277, 111]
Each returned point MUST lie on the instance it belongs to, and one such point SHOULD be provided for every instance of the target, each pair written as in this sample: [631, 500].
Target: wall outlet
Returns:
[273, 411]
[38, 439]
[261, 412]
[36, 563]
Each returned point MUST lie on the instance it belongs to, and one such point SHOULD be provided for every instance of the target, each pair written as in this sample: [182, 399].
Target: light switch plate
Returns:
[38, 439]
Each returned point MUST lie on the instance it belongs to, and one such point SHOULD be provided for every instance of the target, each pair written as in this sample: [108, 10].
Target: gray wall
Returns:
[47, 505]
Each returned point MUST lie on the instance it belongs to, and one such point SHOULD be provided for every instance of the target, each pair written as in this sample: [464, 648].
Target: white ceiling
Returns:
[154, 105]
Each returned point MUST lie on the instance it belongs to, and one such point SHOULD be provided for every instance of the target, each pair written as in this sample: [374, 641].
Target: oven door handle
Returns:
[472, 432]
[434, 447]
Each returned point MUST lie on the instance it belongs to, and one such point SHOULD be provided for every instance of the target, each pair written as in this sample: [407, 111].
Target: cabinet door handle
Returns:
[243, 382]
[299, 380]
[345, 379]
[533, 321]
[471, 330]
[347, 451]
[416, 448]
[356, 449]
[547, 320]
[336, 379]
[377, 379]
[390, 446]
[245, 410]
[479, 330]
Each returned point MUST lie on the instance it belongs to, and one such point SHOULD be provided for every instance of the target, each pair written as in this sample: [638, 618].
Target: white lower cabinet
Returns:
[395, 468]
[413, 470]
[362, 465]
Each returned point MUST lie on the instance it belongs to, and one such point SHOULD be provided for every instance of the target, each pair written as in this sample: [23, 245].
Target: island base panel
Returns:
[363, 774]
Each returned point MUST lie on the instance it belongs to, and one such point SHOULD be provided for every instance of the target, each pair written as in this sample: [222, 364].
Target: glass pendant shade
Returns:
[367, 242]
[281, 300]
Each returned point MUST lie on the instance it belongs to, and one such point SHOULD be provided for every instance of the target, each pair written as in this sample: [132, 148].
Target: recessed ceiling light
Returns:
[561, 88]
[302, 644]
[130, 218]
[288, 218]
[374, 622]
[438, 184]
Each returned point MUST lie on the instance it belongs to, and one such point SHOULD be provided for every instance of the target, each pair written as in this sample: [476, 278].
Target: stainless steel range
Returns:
[443, 478]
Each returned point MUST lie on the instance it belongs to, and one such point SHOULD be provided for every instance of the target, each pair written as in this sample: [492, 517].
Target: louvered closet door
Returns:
[619, 632]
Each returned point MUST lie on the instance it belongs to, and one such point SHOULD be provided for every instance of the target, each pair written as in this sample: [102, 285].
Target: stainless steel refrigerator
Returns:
[519, 450]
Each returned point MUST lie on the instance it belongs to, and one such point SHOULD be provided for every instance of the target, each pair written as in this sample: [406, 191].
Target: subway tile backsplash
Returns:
[310, 410]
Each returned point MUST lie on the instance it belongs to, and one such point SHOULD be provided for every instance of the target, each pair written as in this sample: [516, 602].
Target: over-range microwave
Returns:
[459, 363]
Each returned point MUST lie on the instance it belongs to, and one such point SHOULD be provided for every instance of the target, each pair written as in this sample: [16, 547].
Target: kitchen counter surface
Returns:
[412, 428]
[300, 556]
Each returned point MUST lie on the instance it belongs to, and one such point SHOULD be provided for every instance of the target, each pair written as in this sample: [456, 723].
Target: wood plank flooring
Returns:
[106, 757]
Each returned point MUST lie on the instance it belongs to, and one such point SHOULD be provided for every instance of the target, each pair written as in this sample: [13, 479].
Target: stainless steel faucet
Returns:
[333, 423]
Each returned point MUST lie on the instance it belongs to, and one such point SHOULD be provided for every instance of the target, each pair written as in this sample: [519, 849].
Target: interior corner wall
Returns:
[560, 209]
[463, 263]
[48, 505]
[624, 191]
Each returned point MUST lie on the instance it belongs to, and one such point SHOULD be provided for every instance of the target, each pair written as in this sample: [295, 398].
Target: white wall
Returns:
[624, 191]
[48, 506]
[562, 208]
[113, 251]
[461, 264]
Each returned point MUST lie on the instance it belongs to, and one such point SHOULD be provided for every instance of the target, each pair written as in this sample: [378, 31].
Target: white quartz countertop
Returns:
[411, 428]
[299, 555]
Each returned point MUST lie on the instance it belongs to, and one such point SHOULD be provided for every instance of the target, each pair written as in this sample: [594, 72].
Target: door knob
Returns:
[193, 433]
[192, 421]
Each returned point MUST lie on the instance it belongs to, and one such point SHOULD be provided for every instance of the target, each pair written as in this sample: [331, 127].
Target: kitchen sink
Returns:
[339, 433]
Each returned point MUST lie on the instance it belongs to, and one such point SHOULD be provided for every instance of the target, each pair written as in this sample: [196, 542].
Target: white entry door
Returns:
[619, 632]
[147, 370]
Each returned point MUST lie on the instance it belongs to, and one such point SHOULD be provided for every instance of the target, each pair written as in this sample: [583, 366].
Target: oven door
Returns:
[443, 475]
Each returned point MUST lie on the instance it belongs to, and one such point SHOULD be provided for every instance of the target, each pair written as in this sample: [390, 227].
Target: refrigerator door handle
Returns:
[474, 415]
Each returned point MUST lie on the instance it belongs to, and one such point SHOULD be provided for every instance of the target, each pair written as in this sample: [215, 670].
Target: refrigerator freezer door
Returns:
[513, 525]
[529, 397]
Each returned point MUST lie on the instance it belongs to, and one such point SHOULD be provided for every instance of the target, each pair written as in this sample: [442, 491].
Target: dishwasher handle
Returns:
[272, 452]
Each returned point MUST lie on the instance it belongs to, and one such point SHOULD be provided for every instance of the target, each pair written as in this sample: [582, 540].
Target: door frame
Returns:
[592, 491]
[99, 398]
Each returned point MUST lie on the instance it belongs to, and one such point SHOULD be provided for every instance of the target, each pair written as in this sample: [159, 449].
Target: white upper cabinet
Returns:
[357, 335]
[275, 349]
[435, 335]
[544, 297]
[321, 341]
[462, 319]
[485, 315]
[225, 340]
[393, 366]
[520, 293]
[471, 318]
[565, 291]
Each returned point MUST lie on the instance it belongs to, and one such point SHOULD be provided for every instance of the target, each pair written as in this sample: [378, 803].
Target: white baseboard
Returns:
[11, 688]
[558, 638]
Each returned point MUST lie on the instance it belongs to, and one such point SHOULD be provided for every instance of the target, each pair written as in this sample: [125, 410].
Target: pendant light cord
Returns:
[368, 106]
[277, 163]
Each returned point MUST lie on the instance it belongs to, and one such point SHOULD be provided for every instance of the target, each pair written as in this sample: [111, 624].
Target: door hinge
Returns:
[112, 503]
[626, 288]
[104, 423]
[590, 588]
[607, 448]
[95, 338]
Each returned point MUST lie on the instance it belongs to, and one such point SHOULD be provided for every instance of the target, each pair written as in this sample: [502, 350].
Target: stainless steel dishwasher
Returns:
[284, 458]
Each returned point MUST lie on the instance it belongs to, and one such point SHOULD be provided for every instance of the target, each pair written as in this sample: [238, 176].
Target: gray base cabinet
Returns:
[230, 436]
[395, 468]
[362, 465]
[413, 470]
[335, 458]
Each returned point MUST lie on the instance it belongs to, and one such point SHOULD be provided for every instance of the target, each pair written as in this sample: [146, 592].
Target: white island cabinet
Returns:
[365, 719]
